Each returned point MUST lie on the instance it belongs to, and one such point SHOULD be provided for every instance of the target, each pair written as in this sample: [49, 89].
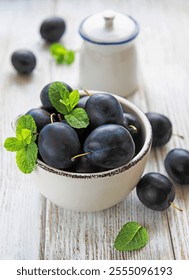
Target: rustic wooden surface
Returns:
[30, 226]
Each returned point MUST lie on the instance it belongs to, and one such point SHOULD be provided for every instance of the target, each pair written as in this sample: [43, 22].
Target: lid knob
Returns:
[108, 16]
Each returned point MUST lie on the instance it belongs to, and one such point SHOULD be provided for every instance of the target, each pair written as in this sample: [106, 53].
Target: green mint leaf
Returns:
[26, 122]
[132, 236]
[24, 143]
[26, 158]
[61, 54]
[78, 118]
[71, 101]
[74, 98]
[12, 144]
[69, 57]
[59, 96]
[65, 102]
[26, 135]
[57, 48]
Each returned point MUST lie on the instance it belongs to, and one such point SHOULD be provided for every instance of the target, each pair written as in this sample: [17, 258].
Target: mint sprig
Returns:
[77, 118]
[131, 237]
[24, 144]
[64, 102]
[61, 54]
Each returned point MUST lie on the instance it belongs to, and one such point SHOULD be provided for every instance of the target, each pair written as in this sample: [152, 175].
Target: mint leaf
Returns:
[65, 102]
[26, 135]
[71, 100]
[74, 98]
[61, 54]
[24, 144]
[58, 52]
[59, 96]
[26, 122]
[12, 144]
[78, 118]
[26, 158]
[69, 57]
[132, 236]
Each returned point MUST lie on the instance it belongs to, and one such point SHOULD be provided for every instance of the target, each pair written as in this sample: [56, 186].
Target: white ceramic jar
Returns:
[108, 58]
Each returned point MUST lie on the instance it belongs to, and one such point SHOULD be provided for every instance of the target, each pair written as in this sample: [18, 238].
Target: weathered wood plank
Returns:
[22, 207]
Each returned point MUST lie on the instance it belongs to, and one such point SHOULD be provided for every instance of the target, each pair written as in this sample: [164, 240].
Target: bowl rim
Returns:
[108, 173]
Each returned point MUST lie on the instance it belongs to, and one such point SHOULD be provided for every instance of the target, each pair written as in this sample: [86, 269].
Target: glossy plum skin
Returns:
[155, 191]
[110, 146]
[131, 120]
[104, 108]
[52, 29]
[44, 97]
[57, 144]
[24, 61]
[161, 129]
[177, 165]
[41, 117]
[82, 102]
[83, 165]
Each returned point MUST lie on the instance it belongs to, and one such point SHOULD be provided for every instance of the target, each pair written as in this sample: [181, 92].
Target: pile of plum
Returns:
[111, 139]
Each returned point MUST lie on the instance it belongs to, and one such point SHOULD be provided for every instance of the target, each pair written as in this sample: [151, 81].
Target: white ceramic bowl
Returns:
[95, 191]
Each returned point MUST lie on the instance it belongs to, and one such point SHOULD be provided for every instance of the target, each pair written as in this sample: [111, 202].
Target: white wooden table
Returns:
[30, 226]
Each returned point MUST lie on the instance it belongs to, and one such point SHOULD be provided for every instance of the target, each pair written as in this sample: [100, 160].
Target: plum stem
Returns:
[133, 128]
[36, 133]
[88, 93]
[59, 117]
[172, 204]
[80, 155]
[178, 135]
[51, 117]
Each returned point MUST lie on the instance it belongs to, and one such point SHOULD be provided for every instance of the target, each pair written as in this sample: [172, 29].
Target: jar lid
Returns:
[109, 28]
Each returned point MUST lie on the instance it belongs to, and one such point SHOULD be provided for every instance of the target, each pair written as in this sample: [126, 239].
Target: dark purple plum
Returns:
[104, 108]
[41, 117]
[82, 101]
[155, 191]
[109, 146]
[161, 129]
[83, 165]
[44, 97]
[177, 165]
[57, 144]
[132, 124]
[52, 29]
[24, 61]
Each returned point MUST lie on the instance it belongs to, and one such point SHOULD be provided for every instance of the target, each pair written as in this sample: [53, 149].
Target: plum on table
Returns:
[161, 129]
[155, 191]
[52, 29]
[177, 165]
[24, 61]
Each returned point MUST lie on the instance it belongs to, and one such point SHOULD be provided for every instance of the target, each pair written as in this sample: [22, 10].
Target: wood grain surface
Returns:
[32, 227]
